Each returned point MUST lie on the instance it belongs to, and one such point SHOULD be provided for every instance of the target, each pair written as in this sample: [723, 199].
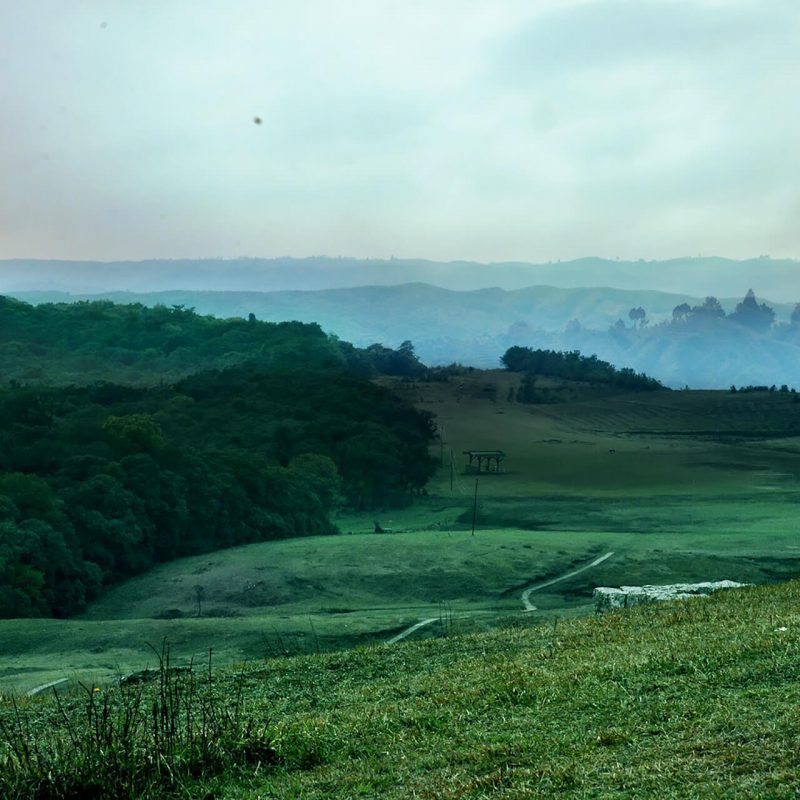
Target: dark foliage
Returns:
[402, 362]
[84, 342]
[572, 366]
[752, 314]
[749, 313]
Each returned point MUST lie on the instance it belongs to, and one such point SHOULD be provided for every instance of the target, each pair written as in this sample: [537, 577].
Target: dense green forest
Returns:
[62, 343]
[100, 480]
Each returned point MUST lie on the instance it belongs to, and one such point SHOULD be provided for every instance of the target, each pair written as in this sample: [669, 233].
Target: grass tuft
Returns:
[138, 740]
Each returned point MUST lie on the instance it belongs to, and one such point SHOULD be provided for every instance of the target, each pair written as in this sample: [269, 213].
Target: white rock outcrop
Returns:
[607, 598]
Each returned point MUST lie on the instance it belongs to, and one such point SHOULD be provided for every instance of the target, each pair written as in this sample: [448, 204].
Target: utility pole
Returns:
[452, 470]
[475, 507]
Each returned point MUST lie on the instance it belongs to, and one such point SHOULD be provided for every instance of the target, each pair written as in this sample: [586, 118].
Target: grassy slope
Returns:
[701, 442]
[285, 597]
[381, 585]
[675, 502]
[690, 699]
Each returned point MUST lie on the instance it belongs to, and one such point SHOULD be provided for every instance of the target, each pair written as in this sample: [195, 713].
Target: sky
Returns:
[484, 130]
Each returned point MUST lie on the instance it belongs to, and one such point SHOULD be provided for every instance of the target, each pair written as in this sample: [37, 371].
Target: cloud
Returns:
[485, 130]
[608, 34]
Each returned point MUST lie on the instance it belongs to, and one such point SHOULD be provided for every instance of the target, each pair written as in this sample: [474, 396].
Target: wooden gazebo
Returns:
[491, 458]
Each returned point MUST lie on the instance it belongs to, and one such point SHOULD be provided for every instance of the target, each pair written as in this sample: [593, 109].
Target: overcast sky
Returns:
[487, 130]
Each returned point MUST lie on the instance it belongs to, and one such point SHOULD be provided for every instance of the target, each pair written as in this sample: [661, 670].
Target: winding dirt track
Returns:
[525, 596]
[409, 631]
[44, 686]
[527, 593]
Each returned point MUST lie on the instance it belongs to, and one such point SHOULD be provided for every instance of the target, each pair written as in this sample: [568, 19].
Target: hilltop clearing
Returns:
[700, 443]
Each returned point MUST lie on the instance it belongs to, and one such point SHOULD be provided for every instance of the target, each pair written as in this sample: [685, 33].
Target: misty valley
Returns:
[679, 338]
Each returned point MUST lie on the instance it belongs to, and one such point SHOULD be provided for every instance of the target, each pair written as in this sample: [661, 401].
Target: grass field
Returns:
[688, 699]
[681, 486]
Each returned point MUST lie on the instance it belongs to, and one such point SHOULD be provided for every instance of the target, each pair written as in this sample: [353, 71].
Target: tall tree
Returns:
[680, 312]
[638, 316]
[752, 314]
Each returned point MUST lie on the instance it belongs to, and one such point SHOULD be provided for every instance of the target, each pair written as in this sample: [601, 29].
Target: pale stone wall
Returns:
[607, 598]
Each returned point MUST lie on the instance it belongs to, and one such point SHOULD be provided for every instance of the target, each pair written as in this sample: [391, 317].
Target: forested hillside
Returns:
[99, 480]
[87, 341]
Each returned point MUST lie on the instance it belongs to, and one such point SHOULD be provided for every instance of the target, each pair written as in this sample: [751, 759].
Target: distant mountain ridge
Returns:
[696, 276]
[418, 311]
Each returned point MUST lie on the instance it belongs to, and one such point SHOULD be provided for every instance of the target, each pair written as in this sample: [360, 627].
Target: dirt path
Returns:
[525, 597]
[527, 593]
[409, 631]
[38, 689]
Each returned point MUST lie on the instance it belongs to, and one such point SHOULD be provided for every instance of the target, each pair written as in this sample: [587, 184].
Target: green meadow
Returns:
[406, 664]
[679, 486]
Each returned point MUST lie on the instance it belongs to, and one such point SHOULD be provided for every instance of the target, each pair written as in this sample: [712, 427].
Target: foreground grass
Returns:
[691, 699]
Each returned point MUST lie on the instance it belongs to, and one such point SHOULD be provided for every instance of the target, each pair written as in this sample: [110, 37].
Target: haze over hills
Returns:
[695, 276]
[476, 327]
[366, 314]
[362, 313]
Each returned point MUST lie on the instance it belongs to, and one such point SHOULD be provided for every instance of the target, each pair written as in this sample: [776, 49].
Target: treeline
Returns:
[87, 341]
[749, 315]
[784, 389]
[573, 366]
[63, 343]
[99, 482]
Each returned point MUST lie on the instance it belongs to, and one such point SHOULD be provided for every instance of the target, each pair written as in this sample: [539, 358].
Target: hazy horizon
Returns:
[775, 280]
[485, 131]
